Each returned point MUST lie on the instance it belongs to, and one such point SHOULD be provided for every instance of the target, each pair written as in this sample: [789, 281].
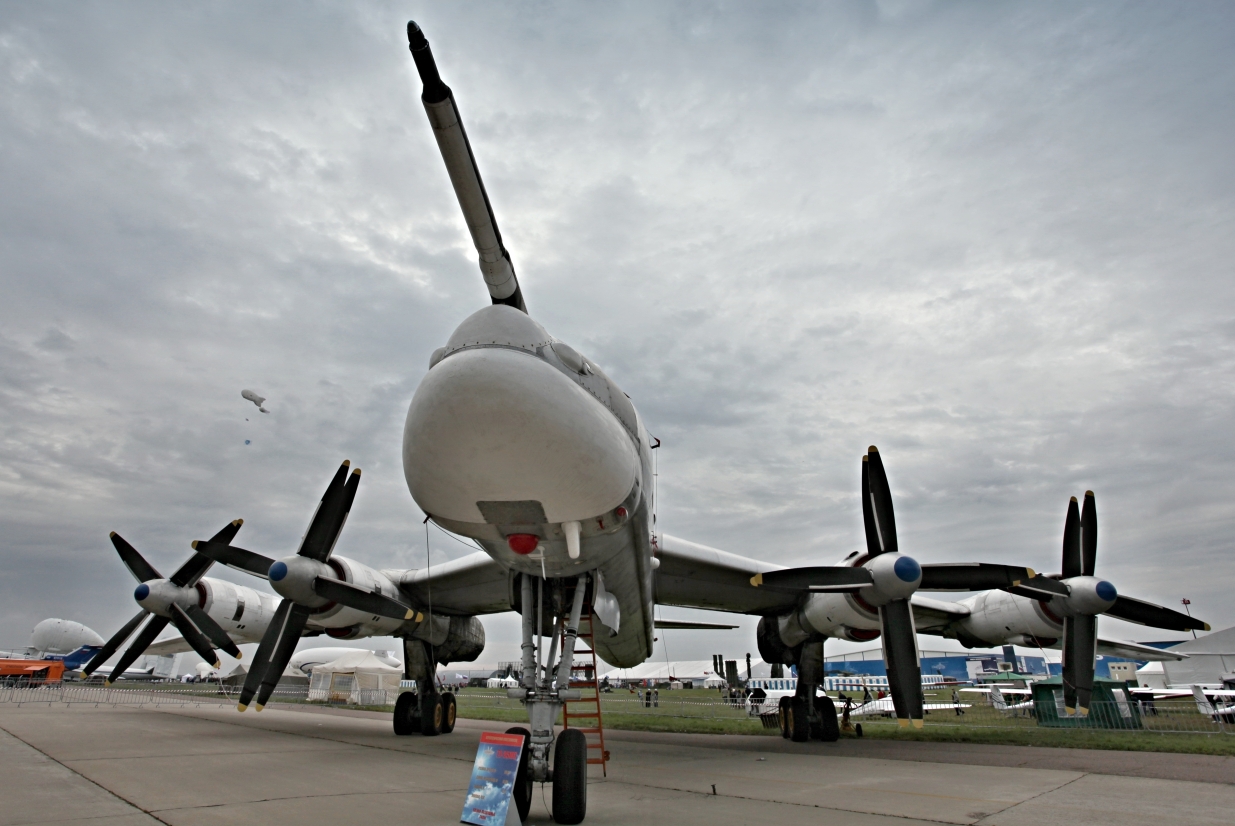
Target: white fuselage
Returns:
[514, 434]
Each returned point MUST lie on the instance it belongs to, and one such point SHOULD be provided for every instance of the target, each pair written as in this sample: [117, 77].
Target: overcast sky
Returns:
[994, 240]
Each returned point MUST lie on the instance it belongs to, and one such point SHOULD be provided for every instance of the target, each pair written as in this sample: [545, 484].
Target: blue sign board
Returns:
[493, 779]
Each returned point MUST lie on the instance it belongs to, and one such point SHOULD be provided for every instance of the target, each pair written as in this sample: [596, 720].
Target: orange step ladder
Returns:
[584, 714]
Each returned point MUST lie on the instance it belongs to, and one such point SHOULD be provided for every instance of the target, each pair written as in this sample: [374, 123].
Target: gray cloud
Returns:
[993, 240]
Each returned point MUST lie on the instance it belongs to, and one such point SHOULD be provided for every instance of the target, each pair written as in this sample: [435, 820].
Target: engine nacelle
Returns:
[772, 647]
[464, 641]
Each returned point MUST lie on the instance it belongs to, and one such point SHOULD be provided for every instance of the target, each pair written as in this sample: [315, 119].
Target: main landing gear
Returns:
[437, 716]
[426, 711]
[806, 716]
[545, 687]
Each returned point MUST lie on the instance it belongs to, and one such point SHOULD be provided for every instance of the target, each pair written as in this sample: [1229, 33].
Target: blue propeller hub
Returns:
[907, 569]
[278, 570]
[141, 592]
[1106, 591]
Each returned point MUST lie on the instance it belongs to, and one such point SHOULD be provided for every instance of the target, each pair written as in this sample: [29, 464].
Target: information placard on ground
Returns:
[493, 779]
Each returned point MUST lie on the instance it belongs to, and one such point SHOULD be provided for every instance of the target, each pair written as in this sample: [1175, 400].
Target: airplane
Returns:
[1000, 702]
[519, 442]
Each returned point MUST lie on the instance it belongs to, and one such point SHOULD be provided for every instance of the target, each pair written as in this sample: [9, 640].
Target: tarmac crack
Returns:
[1030, 799]
[92, 782]
[369, 793]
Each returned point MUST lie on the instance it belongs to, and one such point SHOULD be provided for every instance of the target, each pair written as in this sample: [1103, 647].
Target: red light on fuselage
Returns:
[522, 543]
[620, 513]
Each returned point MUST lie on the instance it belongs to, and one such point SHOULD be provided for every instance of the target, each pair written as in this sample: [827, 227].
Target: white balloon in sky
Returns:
[256, 399]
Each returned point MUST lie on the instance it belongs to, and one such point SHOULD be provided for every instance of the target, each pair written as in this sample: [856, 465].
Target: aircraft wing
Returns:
[167, 647]
[885, 706]
[931, 616]
[474, 584]
[696, 576]
[1136, 651]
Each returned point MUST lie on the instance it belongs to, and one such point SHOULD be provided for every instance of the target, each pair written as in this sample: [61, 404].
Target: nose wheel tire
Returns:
[570, 777]
[523, 775]
[431, 717]
[448, 713]
[405, 714]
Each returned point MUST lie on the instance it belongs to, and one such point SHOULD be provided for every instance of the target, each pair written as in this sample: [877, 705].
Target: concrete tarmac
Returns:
[211, 765]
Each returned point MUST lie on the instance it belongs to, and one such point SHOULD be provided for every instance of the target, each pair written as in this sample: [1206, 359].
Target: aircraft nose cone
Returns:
[1106, 591]
[907, 569]
[499, 435]
[277, 571]
[141, 592]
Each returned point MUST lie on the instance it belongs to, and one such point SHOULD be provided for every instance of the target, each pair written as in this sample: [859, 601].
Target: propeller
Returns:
[164, 601]
[305, 582]
[1089, 596]
[900, 645]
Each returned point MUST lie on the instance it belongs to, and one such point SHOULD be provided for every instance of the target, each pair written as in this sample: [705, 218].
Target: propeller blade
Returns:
[111, 646]
[147, 635]
[868, 516]
[331, 514]
[270, 640]
[881, 504]
[900, 654]
[814, 579]
[297, 618]
[135, 562]
[1089, 535]
[213, 631]
[197, 565]
[196, 639]
[1155, 616]
[1040, 587]
[234, 557]
[1072, 542]
[973, 576]
[1079, 644]
[347, 594]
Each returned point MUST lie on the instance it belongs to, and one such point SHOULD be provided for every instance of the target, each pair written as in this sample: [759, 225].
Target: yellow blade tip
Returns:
[1089, 494]
[258, 707]
[237, 522]
[757, 580]
[1206, 628]
[917, 724]
[217, 664]
[410, 613]
[112, 534]
[1074, 499]
[107, 683]
[241, 707]
[347, 463]
[1084, 712]
[1069, 710]
[419, 617]
[239, 655]
[865, 458]
[193, 544]
[902, 722]
[872, 449]
[1031, 572]
[356, 472]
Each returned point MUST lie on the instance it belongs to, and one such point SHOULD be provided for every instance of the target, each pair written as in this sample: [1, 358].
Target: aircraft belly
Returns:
[498, 425]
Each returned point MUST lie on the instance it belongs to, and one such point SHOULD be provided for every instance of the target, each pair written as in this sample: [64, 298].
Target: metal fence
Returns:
[1160, 716]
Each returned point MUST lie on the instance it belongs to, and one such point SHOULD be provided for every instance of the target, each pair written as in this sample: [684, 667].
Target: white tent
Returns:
[1209, 657]
[237, 675]
[357, 677]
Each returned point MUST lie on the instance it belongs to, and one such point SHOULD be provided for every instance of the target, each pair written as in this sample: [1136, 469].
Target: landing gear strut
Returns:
[544, 689]
[807, 716]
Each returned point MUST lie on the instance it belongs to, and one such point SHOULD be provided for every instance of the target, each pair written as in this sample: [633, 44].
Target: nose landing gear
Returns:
[545, 687]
